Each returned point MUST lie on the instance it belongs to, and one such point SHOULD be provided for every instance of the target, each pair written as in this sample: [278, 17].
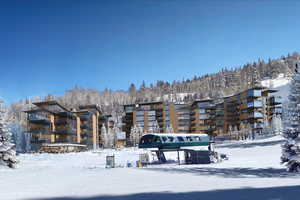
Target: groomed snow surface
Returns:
[253, 171]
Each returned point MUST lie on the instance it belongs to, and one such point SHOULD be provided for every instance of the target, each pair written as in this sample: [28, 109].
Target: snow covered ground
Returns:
[253, 171]
[281, 84]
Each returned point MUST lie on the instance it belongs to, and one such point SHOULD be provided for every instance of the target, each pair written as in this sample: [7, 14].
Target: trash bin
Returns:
[110, 162]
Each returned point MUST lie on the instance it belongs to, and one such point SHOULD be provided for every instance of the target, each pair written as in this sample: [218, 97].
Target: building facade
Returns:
[50, 122]
[251, 109]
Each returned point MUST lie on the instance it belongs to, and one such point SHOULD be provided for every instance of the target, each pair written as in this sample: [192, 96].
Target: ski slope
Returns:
[253, 171]
[281, 83]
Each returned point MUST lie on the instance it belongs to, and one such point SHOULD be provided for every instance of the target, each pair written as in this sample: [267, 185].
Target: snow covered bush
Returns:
[7, 153]
[290, 149]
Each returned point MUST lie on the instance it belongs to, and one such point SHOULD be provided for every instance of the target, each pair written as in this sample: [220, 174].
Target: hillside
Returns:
[226, 82]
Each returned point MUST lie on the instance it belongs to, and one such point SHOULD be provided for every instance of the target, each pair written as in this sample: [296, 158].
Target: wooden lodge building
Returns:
[253, 107]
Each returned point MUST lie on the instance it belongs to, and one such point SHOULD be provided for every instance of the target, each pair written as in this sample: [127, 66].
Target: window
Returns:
[147, 139]
[157, 139]
[180, 139]
[171, 139]
[164, 139]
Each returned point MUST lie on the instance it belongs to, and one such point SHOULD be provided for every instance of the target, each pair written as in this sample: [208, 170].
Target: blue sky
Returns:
[48, 46]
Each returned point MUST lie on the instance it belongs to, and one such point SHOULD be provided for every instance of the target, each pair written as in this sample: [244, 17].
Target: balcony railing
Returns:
[257, 115]
[84, 117]
[38, 118]
[183, 117]
[61, 122]
[67, 131]
[274, 101]
[255, 104]
[39, 130]
[254, 93]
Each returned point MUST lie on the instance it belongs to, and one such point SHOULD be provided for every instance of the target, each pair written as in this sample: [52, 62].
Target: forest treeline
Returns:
[223, 83]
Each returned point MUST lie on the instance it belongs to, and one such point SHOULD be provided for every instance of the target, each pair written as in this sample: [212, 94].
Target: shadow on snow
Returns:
[274, 193]
[249, 145]
[231, 172]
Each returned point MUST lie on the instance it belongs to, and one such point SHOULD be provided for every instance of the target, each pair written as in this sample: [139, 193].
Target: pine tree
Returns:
[135, 135]
[290, 149]
[7, 153]
[169, 129]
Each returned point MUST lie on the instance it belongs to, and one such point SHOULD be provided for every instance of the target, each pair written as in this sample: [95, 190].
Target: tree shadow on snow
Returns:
[249, 145]
[253, 144]
[274, 193]
[231, 172]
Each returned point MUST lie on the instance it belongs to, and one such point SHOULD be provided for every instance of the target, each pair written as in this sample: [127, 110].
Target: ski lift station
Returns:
[197, 148]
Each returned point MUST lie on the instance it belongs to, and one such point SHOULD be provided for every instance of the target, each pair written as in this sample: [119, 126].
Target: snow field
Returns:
[251, 164]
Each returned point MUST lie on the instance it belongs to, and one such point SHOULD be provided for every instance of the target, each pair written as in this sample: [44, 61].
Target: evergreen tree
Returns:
[135, 135]
[7, 153]
[290, 149]
[169, 129]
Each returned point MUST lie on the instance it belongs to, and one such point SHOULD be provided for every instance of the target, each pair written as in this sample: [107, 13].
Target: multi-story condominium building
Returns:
[50, 122]
[157, 117]
[272, 105]
[253, 108]
[149, 117]
[182, 119]
[245, 107]
[219, 117]
[203, 117]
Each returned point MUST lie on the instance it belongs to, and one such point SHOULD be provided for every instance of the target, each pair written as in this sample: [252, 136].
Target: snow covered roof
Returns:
[178, 134]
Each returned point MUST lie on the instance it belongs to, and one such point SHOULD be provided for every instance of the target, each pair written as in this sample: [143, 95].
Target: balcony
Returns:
[61, 122]
[183, 117]
[274, 101]
[65, 131]
[255, 104]
[38, 118]
[253, 93]
[183, 112]
[219, 113]
[186, 129]
[84, 117]
[208, 130]
[43, 131]
[206, 117]
[183, 124]
[192, 118]
[85, 126]
[277, 110]
[129, 109]
[86, 134]
[192, 113]
[205, 105]
[257, 115]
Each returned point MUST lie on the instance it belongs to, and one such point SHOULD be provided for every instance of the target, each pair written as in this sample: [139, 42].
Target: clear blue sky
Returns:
[48, 46]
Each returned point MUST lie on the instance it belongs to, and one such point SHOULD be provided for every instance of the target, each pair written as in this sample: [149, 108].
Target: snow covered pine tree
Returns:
[290, 149]
[7, 153]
